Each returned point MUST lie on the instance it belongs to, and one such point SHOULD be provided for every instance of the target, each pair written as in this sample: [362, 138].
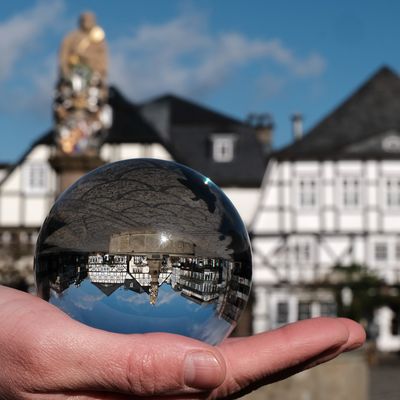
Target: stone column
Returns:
[70, 168]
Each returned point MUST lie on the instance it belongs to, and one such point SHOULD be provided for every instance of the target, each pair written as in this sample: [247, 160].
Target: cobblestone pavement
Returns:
[385, 379]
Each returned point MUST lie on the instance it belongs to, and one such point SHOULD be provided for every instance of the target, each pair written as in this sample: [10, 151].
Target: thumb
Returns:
[142, 365]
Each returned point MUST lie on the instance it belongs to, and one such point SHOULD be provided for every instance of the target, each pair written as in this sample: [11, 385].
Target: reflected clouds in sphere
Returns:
[145, 245]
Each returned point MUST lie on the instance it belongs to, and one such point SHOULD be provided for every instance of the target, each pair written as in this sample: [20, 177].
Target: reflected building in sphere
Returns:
[190, 277]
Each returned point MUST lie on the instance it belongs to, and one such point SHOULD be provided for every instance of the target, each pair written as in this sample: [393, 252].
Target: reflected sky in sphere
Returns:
[125, 312]
[146, 245]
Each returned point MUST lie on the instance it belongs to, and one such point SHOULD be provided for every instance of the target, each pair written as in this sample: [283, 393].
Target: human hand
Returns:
[44, 354]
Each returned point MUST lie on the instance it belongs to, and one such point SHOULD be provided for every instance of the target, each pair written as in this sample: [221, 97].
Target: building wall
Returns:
[116, 152]
[281, 209]
[314, 215]
[290, 232]
[245, 201]
[27, 193]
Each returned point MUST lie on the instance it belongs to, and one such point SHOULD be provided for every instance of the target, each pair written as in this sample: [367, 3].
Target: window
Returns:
[302, 252]
[35, 177]
[393, 192]
[304, 310]
[381, 252]
[391, 144]
[223, 147]
[283, 313]
[351, 192]
[6, 237]
[328, 309]
[395, 324]
[308, 193]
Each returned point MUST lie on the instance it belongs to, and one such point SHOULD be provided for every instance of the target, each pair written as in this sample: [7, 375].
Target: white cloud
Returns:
[87, 301]
[133, 298]
[269, 85]
[166, 298]
[312, 65]
[183, 56]
[20, 33]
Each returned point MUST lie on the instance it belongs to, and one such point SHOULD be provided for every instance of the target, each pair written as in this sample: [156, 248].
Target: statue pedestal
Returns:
[70, 168]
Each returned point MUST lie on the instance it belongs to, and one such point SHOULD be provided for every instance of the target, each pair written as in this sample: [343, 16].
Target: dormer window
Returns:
[223, 147]
[391, 144]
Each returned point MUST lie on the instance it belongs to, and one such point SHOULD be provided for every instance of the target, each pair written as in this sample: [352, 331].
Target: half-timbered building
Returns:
[331, 198]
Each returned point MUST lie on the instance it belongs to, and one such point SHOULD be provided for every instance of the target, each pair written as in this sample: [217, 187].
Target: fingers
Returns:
[357, 335]
[275, 355]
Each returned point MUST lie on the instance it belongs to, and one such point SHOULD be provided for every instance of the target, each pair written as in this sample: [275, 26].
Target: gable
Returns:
[372, 109]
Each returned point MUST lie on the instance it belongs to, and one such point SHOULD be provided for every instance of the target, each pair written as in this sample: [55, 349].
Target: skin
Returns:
[44, 354]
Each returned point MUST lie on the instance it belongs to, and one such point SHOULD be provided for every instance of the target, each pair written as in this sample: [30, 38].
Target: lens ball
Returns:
[146, 245]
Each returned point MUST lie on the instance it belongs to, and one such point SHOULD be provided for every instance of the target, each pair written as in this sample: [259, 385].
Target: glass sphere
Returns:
[145, 245]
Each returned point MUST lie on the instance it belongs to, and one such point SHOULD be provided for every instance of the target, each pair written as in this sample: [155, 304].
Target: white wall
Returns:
[245, 201]
[283, 213]
[116, 152]
[20, 204]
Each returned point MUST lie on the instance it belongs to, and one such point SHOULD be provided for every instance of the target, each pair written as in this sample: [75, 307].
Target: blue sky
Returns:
[235, 56]
[125, 311]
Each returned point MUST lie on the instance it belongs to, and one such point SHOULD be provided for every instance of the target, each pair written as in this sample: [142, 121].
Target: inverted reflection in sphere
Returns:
[146, 245]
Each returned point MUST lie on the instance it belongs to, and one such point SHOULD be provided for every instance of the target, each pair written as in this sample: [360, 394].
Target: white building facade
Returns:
[332, 198]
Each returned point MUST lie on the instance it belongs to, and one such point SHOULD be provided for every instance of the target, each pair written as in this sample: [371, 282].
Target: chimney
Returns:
[297, 126]
[263, 124]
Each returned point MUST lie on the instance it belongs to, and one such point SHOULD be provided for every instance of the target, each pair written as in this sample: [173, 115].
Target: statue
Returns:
[85, 47]
[81, 112]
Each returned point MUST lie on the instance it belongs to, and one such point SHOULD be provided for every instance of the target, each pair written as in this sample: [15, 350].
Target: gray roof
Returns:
[359, 127]
[187, 128]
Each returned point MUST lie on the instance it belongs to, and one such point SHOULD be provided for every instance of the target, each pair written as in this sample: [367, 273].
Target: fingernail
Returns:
[203, 370]
[354, 346]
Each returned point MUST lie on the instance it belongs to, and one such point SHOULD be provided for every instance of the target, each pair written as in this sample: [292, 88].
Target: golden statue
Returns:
[85, 46]
[81, 111]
